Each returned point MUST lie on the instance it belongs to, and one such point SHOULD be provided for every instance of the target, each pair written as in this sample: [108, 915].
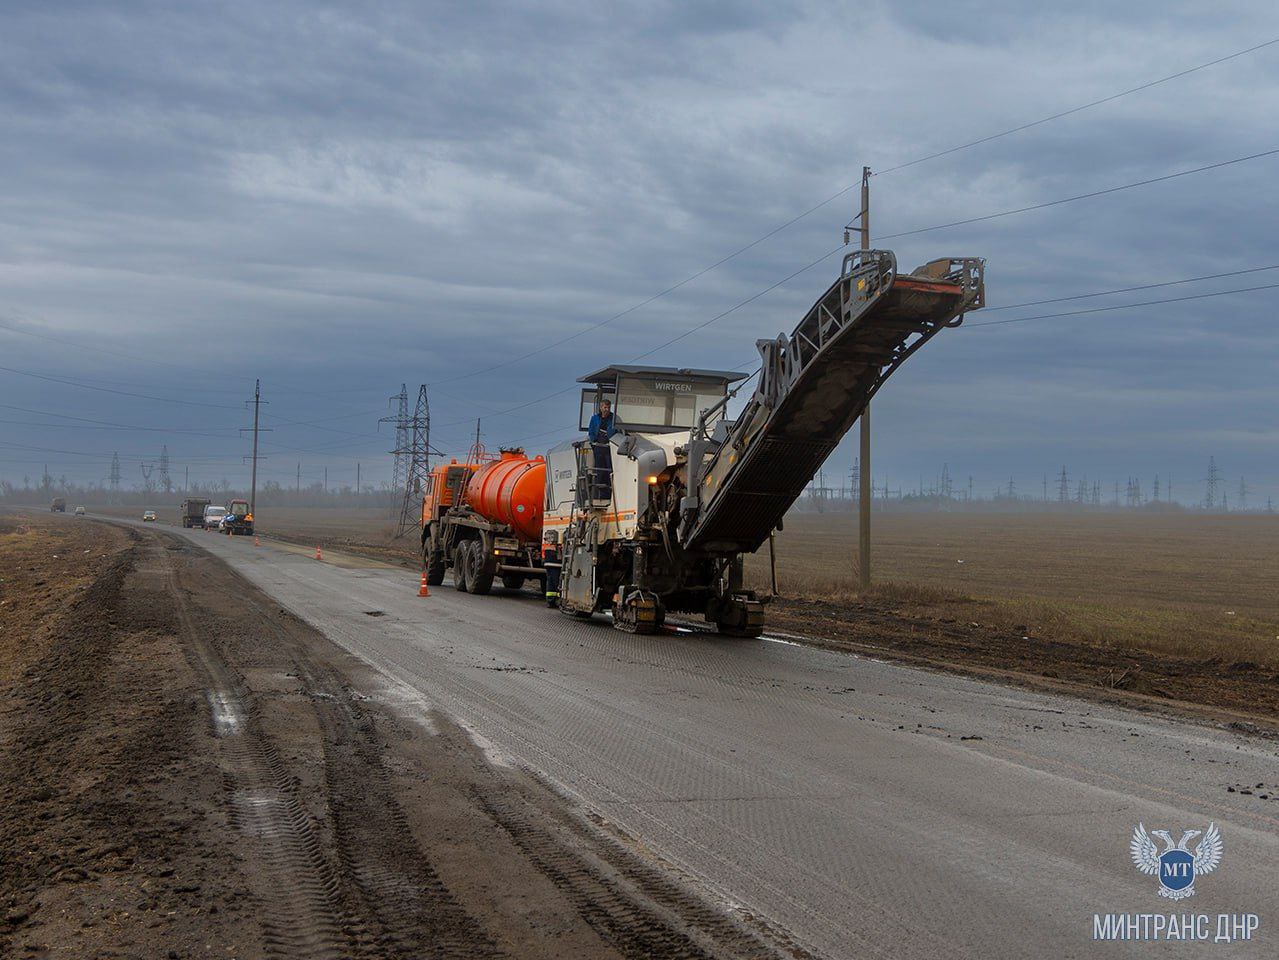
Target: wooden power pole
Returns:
[866, 491]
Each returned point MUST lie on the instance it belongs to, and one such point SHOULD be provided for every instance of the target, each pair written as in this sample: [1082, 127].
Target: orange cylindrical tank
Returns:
[511, 490]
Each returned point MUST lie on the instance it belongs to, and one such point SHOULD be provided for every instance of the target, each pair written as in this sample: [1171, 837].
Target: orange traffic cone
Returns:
[422, 591]
[318, 554]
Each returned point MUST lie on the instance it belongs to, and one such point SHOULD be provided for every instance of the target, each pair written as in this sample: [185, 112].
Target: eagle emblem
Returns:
[1176, 868]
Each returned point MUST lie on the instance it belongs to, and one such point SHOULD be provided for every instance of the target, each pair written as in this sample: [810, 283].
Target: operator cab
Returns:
[654, 399]
[645, 401]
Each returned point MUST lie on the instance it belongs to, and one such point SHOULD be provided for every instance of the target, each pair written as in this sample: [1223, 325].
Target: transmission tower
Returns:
[1096, 493]
[945, 481]
[1081, 490]
[1012, 488]
[147, 469]
[402, 451]
[415, 448]
[1242, 501]
[165, 482]
[1155, 497]
[114, 478]
[1063, 486]
[1210, 498]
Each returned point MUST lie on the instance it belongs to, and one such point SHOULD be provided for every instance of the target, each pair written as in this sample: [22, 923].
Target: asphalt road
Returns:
[869, 809]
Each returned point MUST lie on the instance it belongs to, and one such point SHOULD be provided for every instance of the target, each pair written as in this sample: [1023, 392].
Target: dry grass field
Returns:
[1186, 585]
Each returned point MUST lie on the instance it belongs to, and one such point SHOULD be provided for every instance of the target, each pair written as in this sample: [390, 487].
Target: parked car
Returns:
[79, 511]
[148, 515]
[213, 517]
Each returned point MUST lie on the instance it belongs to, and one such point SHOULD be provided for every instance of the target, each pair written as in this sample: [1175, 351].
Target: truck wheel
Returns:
[483, 569]
[513, 581]
[433, 564]
[462, 567]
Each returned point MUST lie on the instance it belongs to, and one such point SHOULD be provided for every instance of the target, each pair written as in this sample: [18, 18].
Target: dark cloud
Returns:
[339, 201]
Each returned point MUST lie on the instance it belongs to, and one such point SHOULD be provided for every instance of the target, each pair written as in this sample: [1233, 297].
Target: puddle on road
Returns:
[227, 718]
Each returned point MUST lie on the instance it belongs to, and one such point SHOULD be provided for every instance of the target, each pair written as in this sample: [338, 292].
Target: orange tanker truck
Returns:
[483, 519]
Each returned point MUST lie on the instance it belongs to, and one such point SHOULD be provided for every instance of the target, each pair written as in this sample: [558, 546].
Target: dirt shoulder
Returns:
[187, 770]
[1240, 693]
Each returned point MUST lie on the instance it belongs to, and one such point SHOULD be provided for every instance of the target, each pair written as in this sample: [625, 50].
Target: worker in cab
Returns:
[601, 428]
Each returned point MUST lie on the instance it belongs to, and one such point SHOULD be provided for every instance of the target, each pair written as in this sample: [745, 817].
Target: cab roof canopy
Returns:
[610, 374]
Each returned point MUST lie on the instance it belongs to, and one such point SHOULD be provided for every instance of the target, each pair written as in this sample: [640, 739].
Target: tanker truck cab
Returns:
[599, 544]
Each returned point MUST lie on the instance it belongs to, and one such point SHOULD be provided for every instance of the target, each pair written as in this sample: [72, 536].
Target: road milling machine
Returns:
[663, 520]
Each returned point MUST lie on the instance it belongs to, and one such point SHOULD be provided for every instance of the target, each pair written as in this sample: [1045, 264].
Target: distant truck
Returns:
[59, 505]
[192, 511]
[238, 519]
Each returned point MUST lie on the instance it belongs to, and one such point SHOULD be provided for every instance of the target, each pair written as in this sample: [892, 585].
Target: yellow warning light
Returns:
[652, 480]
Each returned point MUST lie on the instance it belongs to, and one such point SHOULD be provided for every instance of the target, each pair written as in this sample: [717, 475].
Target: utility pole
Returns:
[863, 527]
[326, 479]
[186, 482]
[115, 477]
[357, 479]
[253, 475]
[298, 487]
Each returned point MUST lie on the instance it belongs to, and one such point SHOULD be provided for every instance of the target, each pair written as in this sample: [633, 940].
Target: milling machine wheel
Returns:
[639, 613]
[741, 617]
[513, 581]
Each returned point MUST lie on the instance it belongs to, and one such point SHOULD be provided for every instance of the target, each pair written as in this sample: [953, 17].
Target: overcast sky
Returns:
[339, 201]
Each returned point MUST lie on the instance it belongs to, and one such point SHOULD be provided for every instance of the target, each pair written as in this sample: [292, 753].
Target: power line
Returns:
[813, 263]
[122, 393]
[1080, 196]
[1144, 286]
[837, 195]
[1078, 109]
[1122, 306]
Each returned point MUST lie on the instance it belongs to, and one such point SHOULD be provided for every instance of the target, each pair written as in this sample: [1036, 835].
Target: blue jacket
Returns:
[597, 424]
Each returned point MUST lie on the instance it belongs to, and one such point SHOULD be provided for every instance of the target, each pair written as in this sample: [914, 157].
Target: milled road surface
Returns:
[868, 809]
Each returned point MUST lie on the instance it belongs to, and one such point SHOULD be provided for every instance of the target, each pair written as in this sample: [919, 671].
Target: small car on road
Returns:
[148, 515]
[79, 511]
[213, 517]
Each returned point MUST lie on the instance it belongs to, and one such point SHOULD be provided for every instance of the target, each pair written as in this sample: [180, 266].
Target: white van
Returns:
[213, 517]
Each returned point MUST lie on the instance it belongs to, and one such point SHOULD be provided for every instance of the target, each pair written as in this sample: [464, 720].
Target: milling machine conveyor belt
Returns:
[814, 384]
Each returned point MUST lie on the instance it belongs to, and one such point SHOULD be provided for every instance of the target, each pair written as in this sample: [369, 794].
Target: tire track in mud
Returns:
[295, 886]
[340, 869]
[406, 909]
[632, 905]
